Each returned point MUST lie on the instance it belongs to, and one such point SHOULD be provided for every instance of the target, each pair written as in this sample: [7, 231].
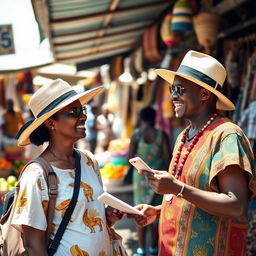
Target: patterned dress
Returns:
[186, 229]
[151, 154]
[86, 233]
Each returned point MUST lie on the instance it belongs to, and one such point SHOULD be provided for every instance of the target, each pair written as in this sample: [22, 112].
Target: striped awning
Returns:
[91, 30]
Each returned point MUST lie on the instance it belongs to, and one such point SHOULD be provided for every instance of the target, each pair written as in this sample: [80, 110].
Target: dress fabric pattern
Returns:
[87, 226]
[188, 230]
[151, 154]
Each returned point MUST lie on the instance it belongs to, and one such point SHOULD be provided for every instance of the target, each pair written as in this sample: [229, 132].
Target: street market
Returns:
[118, 45]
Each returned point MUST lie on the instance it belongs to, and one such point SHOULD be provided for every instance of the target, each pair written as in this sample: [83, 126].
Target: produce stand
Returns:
[114, 166]
[9, 171]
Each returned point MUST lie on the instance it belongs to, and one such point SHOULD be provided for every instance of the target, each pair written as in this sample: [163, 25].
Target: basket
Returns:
[206, 26]
[170, 38]
[112, 182]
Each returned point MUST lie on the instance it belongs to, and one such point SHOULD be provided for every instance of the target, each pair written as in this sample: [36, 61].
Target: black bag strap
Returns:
[55, 243]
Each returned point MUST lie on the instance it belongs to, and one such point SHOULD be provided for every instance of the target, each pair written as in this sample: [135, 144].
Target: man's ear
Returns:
[205, 94]
[49, 123]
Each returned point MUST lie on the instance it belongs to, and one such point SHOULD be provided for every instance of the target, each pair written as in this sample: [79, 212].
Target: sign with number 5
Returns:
[6, 40]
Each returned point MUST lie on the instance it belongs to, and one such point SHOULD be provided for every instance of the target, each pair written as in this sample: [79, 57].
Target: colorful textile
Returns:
[86, 233]
[182, 17]
[248, 121]
[251, 236]
[186, 229]
[151, 154]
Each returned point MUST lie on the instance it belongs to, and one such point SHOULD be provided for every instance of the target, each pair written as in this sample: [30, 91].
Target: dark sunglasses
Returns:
[74, 112]
[177, 89]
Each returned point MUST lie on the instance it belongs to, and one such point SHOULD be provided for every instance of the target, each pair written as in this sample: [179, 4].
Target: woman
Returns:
[104, 125]
[60, 120]
[153, 147]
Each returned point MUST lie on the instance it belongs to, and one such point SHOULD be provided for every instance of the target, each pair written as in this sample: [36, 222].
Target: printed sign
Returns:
[6, 40]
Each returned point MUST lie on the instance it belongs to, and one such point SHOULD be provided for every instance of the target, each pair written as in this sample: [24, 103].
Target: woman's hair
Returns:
[40, 135]
[148, 114]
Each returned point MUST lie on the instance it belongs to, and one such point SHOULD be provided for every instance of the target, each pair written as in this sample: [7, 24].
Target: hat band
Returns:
[186, 70]
[50, 107]
[57, 101]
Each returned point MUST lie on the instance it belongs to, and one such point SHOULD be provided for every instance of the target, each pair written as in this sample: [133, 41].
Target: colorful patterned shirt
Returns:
[184, 228]
[86, 233]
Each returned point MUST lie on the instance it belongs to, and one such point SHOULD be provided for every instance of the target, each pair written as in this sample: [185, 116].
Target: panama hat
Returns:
[203, 70]
[48, 100]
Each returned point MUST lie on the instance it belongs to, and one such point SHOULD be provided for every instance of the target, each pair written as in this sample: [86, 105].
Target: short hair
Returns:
[40, 135]
[148, 114]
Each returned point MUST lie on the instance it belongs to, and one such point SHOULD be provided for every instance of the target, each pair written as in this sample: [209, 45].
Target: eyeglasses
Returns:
[74, 112]
[177, 89]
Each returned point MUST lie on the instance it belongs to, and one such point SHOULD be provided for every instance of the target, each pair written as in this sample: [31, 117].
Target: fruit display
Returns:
[5, 167]
[18, 166]
[8, 170]
[114, 171]
[109, 171]
[5, 164]
[119, 146]
[8, 183]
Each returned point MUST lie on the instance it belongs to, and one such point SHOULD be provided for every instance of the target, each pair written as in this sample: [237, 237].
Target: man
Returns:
[13, 120]
[91, 127]
[210, 177]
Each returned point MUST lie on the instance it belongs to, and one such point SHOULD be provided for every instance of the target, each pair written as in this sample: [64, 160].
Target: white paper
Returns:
[118, 204]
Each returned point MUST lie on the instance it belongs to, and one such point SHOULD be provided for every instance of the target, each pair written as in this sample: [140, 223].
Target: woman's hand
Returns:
[113, 215]
[150, 214]
[162, 182]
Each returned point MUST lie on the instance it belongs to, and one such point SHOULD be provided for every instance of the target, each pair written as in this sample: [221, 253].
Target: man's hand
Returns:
[162, 182]
[150, 214]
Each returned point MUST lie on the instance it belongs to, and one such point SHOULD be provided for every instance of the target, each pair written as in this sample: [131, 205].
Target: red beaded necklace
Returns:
[177, 171]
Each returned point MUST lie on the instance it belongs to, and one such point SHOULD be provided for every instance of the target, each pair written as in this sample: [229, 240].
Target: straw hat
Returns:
[203, 70]
[48, 100]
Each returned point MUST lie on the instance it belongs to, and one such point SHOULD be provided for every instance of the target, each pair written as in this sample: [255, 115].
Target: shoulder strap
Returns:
[51, 178]
[55, 243]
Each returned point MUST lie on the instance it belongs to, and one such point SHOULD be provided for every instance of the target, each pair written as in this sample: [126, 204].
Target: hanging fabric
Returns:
[150, 44]
[2, 92]
[116, 67]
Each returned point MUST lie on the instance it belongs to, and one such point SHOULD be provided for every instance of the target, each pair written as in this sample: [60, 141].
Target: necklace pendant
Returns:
[168, 197]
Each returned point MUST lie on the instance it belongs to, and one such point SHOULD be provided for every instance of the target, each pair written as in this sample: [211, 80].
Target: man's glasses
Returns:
[74, 112]
[177, 89]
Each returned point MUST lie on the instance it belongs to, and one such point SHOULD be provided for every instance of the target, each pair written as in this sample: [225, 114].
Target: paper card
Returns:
[118, 204]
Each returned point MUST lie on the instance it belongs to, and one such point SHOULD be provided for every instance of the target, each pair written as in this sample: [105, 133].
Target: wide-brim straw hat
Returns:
[203, 70]
[48, 100]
